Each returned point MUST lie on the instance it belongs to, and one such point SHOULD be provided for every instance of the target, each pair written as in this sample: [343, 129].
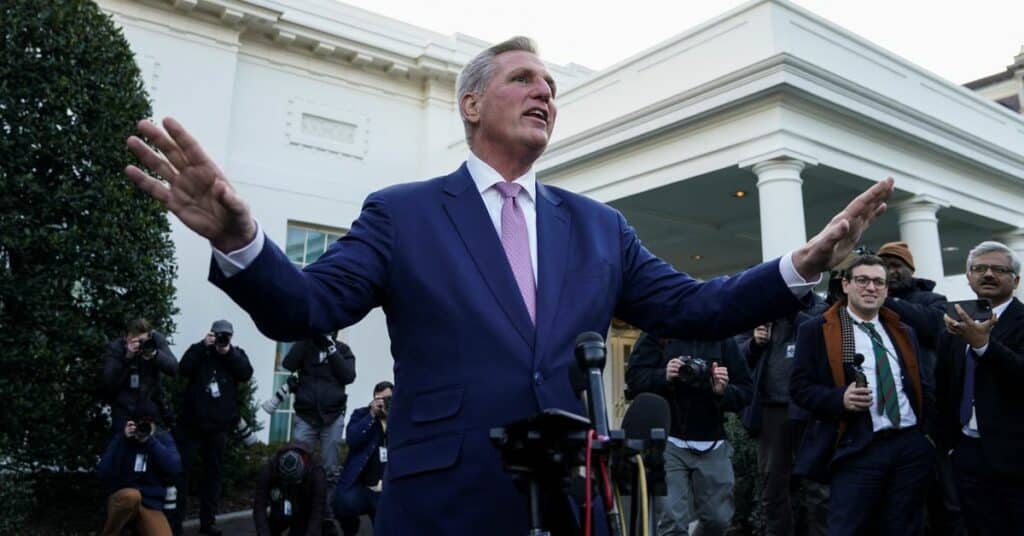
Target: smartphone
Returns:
[979, 310]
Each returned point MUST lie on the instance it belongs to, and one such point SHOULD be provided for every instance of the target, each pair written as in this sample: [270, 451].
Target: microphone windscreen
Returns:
[588, 337]
[647, 412]
[858, 359]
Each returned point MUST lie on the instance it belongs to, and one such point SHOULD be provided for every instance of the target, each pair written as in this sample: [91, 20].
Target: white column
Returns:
[779, 189]
[919, 228]
[1015, 241]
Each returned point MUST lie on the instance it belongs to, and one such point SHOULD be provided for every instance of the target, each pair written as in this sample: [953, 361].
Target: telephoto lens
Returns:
[271, 404]
[222, 339]
[245, 432]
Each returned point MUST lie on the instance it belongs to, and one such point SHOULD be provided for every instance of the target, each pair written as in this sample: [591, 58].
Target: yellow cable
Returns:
[644, 515]
[618, 507]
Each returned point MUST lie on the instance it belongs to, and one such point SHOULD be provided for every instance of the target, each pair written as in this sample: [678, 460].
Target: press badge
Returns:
[140, 463]
[214, 389]
[133, 381]
[790, 350]
[383, 454]
[287, 507]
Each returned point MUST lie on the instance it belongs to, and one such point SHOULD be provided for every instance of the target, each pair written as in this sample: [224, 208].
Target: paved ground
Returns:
[240, 524]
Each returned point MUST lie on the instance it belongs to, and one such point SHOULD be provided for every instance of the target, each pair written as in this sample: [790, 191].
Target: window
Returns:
[304, 244]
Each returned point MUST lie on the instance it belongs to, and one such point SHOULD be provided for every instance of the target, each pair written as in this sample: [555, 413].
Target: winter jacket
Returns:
[325, 367]
[118, 381]
[206, 408]
[158, 459]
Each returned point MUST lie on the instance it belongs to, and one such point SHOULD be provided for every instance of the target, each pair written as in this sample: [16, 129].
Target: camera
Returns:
[222, 339]
[148, 346]
[271, 404]
[245, 432]
[387, 405]
[694, 371]
[144, 428]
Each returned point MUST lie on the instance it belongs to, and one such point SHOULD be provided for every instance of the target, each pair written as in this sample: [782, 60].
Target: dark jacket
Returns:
[697, 412]
[118, 371]
[201, 364]
[306, 498]
[320, 396]
[998, 391]
[162, 467]
[922, 309]
[820, 379]
[363, 435]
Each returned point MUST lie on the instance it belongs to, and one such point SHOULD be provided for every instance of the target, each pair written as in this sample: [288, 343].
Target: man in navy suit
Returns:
[869, 441]
[486, 277]
[981, 404]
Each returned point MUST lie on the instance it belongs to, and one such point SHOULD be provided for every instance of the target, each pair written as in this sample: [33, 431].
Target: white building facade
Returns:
[725, 145]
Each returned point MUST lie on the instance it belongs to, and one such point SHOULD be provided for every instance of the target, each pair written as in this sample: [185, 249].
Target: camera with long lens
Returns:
[694, 371]
[387, 405]
[271, 404]
[222, 339]
[144, 428]
[245, 432]
[148, 346]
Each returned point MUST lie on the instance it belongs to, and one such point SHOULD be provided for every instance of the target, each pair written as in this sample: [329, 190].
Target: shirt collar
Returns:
[484, 176]
[858, 319]
[1000, 309]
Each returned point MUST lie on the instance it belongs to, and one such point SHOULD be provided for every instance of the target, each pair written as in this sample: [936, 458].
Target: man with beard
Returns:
[979, 376]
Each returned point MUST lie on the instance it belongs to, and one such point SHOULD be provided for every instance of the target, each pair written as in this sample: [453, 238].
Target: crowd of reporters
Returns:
[952, 383]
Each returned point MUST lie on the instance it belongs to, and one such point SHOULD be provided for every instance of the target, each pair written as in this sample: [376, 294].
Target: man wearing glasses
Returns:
[867, 435]
[979, 376]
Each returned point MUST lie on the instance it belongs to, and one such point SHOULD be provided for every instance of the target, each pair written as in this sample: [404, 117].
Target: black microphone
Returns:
[591, 356]
[858, 372]
[645, 413]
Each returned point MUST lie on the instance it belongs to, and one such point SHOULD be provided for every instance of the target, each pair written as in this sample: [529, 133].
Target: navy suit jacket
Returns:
[466, 356]
[834, 434]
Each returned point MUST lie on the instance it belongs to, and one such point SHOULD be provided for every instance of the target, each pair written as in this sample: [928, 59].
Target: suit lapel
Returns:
[553, 253]
[466, 210]
[1009, 321]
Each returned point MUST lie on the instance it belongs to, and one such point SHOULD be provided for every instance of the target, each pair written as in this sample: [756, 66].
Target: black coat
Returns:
[922, 309]
[307, 498]
[697, 412]
[320, 396]
[998, 391]
[117, 377]
[200, 365]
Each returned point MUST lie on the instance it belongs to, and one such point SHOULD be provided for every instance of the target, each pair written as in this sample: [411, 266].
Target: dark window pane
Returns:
[295, 248]
[316, 244]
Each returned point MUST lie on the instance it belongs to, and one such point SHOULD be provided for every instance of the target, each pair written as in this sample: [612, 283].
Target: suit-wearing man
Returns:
[486, 277]
[979, 378]
[868, 441]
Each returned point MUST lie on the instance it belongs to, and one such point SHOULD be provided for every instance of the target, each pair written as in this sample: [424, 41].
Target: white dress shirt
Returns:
[863, 346]
[485, 177]
[971, 428]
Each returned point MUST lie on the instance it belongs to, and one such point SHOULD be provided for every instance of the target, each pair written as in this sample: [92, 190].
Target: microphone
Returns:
[645, 413]
[858, 372]
[591, 356]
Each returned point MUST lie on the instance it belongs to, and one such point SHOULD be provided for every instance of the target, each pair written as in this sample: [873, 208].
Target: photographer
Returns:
[140, 466]
[701, 380]
[131, 372]
[292, 487]
[359, 486]
[324, 366]
[213, 368]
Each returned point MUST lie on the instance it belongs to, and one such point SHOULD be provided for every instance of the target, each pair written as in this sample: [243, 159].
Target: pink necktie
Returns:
[516, 242]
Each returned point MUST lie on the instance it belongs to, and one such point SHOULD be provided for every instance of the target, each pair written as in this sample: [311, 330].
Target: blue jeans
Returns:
[353, 502]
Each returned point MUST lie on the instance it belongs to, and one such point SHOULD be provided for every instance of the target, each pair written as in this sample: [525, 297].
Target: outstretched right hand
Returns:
[196, 190]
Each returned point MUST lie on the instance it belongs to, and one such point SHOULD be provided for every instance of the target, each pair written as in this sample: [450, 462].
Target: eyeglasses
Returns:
[980, 269]
[862, 281]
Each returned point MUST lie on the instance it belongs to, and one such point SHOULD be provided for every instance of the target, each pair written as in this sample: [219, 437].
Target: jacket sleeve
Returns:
[646, 370]
[114, 369]
[1006, 361]
[165, 359]
[238, 364]
[925, 319]
[106, 469]
[810, 385]
[343, 364]
[293, 359]
[359, 428]
[165, 453]
[740, 390]
[750, 350]
[261, 501]
[318, 490]
[187, 366]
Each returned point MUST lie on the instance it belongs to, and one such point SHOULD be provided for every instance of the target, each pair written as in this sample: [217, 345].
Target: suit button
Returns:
[538, 379]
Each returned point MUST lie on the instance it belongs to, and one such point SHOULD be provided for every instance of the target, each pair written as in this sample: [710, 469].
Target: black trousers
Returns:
[880, 490]
[789, 505]
[991, 503]
[211, 447]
